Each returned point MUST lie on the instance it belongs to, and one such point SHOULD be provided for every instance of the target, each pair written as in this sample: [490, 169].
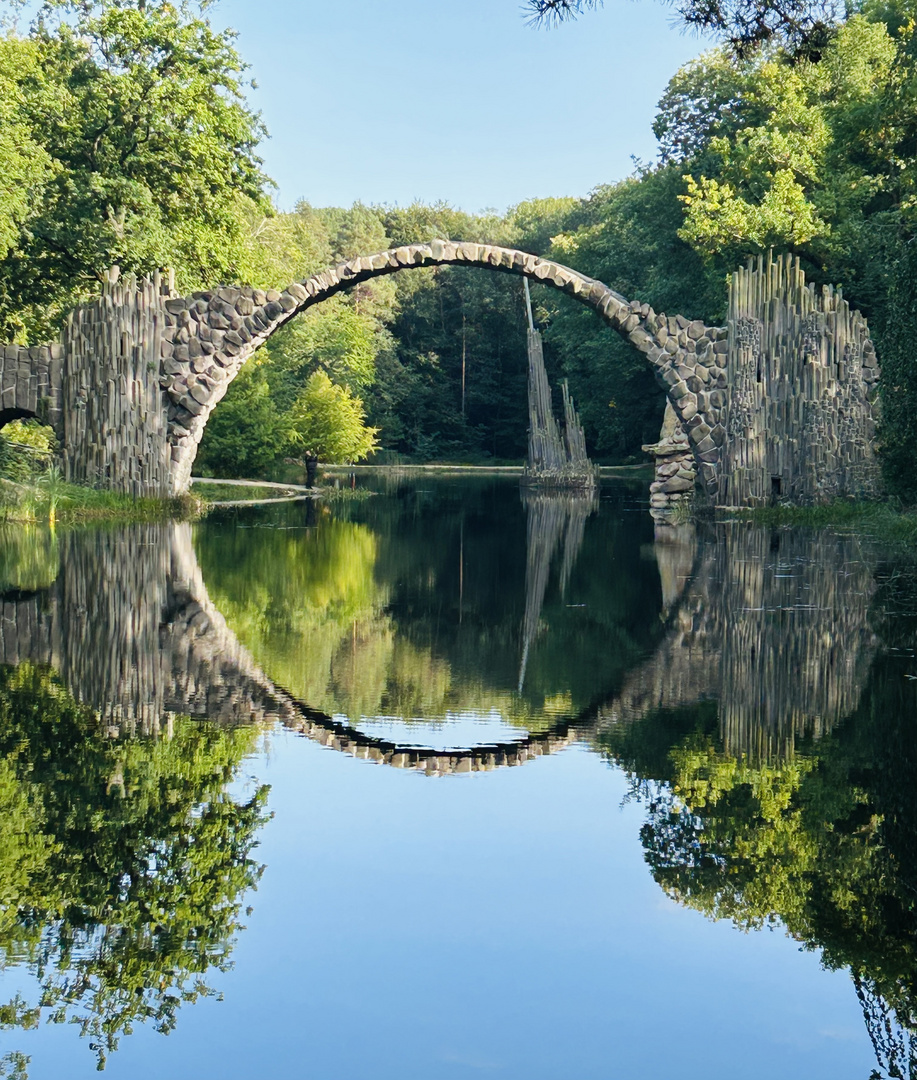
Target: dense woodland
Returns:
[127, 139]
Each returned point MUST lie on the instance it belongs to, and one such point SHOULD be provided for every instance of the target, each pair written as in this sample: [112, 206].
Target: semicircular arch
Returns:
[210, 335]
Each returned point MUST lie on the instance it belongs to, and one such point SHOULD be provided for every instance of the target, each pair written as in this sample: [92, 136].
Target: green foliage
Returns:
[29, 558]
[147, 153]
[26, 451]
[161, 896]
[127, 139]
[336, 337]
[50, 498]
[362, 616]
[627, 235]
[899, 376]
[27, 165]
[247, 432]
[259, 422]
[327, 422]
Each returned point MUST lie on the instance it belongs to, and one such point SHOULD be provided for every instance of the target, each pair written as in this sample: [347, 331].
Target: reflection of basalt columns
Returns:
[773, 628]
[777, 633]
[548, 517]
[132, 633]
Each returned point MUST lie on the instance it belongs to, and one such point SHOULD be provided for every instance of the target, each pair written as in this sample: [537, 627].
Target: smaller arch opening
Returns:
[7, 416]
[27, 446]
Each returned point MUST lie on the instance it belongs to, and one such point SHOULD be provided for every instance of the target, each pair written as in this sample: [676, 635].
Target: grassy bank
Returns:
[53, 500]
[881, 519]
[217, 491]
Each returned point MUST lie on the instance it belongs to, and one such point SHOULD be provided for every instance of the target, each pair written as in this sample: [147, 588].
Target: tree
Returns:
[804, 27]
[327, 422]
[247, 433]
[123, 861]
[336, 337]
[27, 165]
[147, 151]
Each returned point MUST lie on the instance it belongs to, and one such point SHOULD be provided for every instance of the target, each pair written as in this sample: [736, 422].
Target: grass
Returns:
[51, 499]
[217, 492]
[882, 519]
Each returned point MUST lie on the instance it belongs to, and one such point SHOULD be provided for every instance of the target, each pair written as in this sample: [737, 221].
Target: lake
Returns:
[449, 780]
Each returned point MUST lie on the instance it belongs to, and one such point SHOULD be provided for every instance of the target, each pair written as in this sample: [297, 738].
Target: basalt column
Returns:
[802, 392]
[115, 422]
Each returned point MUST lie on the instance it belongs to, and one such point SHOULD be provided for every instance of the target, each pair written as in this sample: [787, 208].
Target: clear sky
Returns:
[387, 101]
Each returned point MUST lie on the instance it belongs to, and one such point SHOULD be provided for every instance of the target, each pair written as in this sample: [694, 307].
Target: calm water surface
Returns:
[447, 783]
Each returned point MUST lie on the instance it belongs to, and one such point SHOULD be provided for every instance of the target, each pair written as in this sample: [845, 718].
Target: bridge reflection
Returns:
[771, 630]
[773, 627]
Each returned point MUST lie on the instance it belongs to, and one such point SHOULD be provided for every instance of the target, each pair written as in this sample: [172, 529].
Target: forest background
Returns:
[127, 139]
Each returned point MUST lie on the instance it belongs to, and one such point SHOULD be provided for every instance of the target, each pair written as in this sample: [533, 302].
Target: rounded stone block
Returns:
[677, 484]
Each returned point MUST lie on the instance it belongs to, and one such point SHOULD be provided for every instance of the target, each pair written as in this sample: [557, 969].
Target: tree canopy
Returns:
[131, 143]
[803, 27]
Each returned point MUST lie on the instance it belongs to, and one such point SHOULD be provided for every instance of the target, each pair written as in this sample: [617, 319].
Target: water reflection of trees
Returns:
[820, 837]
[414, 607]
[770, 731]
[124, 862]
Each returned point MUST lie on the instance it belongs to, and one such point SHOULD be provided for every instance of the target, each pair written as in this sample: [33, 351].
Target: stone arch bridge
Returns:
[131, 631]
[780, 400]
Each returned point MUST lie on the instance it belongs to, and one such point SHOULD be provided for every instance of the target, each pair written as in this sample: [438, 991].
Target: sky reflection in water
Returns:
[557, 918]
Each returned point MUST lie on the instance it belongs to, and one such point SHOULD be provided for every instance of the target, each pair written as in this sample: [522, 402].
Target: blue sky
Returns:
[388, 101]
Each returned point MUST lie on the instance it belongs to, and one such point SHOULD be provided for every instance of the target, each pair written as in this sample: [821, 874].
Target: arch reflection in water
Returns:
[779, 637]
[765, 732]
[774, 627]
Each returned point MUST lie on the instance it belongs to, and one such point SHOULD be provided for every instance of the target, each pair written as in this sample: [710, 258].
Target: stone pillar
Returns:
[115, 413]
[672, 492]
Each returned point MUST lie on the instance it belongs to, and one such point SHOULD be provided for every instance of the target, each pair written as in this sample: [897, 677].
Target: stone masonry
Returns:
[131, 388]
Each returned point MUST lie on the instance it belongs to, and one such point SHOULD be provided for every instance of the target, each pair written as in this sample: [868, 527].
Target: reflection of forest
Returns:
[124, 863]
[793, 798]
[770, 728]
[411, 607]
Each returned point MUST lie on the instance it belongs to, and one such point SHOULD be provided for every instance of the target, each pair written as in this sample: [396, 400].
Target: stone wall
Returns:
[676, 472]
[30, 383]
[779, 402]
[115, 421]
[803, 382]
[210, 335]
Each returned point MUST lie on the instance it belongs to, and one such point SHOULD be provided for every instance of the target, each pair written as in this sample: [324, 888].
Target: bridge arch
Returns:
[209, 336]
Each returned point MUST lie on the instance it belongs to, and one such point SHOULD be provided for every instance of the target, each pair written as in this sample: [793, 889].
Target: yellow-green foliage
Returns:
[328, 422]
[160, 897]
[29, 558]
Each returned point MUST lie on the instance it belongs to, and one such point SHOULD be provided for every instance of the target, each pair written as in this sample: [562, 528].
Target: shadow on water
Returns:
[756, 687]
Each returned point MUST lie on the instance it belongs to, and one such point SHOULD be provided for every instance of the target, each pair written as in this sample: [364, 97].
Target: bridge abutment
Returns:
[115, 428]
